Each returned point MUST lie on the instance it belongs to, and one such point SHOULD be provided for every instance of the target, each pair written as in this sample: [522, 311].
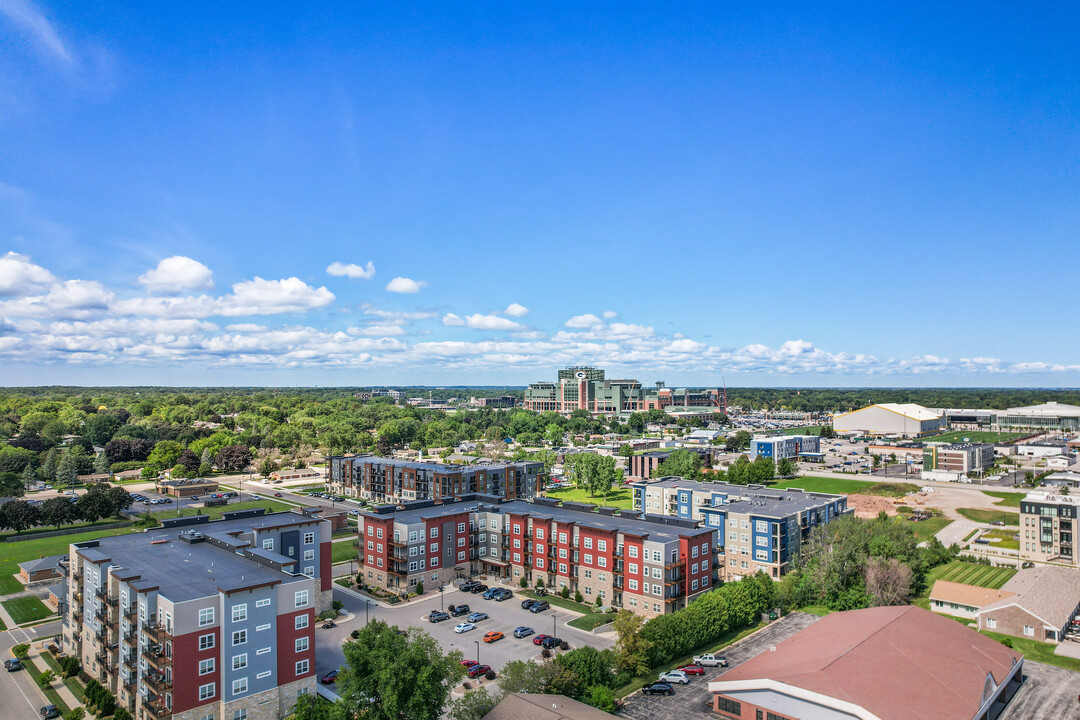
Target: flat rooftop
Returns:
[434, 466]
[760, 500]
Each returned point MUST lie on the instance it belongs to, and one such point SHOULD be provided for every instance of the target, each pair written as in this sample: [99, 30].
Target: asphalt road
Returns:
[20, 698]
[505, 616]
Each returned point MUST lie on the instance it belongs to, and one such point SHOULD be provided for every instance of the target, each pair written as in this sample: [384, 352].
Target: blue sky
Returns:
[435, 194]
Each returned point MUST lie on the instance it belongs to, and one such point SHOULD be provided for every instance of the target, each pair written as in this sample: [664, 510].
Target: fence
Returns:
[66, 531]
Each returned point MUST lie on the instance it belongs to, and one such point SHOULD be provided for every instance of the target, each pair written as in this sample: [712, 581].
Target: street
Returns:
[20, 697]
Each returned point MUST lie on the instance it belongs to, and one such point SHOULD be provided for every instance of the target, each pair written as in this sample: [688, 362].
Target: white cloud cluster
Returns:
[405, 285]
[19, 276]
[356, 272]
[177, 274]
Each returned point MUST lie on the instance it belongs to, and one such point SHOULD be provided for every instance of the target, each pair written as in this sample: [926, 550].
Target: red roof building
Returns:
[886, 663]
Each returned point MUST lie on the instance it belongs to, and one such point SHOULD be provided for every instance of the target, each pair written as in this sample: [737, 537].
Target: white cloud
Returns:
[356, 272]
[452, 320]
[271, 297]
[177, 274]
[34, 25]
[491, 322]
[378, 330]
[396, 316]
[19, 276]
[584, 321]
[610, 314]
[405, 285]
[516, 310]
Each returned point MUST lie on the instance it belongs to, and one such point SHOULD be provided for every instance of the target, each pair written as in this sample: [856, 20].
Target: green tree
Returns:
[762, 470]
[636, 421]
[57, 511]
[29, 477]
[410, 676]
[591, 666]
[101, 463]
[94, 505]
[473, 706]
[602, 697]
[309, 706]
[100, 427]
[267, 467]
[49, 466]
[524, 676]
[631, 649]
[165, 454]
[786, 468]
[67, 470]
[45, 678]
[11, 485]
[19, 515]
[681, 463]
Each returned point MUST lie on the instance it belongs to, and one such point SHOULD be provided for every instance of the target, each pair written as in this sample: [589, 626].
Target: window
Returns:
[302, 667]
[309, 538]
[588, 543]
[461, 542]
[264, 626]
[434, 533]
[588, 574]
[370, 530]
[262, 603]
[461, 557]
[562, 537]
[633, 584]
[693, 585]
[239, 662]
[309, 570]
[562, 568]
[723, 704]
[1029, 630]
[239, 637]
[239, 714]
[239, 686]
[657, 556]
[268, 544]
[539, 533]
[239, 612]
[262, 651]
[378, 533]
[206, 691]
[991, 623]
[601, 545]
[412, 566]
[309, 554]
[657, 573]
[461, 527]
[588, 559]
[517, 558]
[301, 598]
[539, 561]
[206, 666]
[633, 551]
[601, 561]
[206, 642]
[632, 568]
[206, 617]
[693, 551]
[263, 674]
[761, 526]
[656, 590]
[562, 553]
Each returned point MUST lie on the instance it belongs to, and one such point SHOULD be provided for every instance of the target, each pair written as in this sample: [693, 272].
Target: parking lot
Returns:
[1047, 692]
[504, 616]
[694, 699]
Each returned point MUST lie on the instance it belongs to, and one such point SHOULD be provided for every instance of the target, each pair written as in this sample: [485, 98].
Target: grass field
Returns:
[986, 436]
[619, 497]
[990, 516]
[216, 512]
[848, 487]
[26, 609]
[589, 618]
[971, 574]
[342, 552]
[1037, 651]
[1006, 499]
[926, 529]
[1006, 539]
[8, 583]
[809, 430]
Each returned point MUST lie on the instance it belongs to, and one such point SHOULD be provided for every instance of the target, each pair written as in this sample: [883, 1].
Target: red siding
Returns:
[185, 673]
[326, 572]
[287, 657]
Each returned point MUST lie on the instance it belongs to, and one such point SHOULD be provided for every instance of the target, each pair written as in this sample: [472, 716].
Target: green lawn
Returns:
[342, 552]
[618, 497]
[809, 430]
[970, 535]
[1006, 499]
[926, 529]
[216, 512]
[971, 574]
[983, 436]
[1037, 651]
[26, 609]
[11, 554]
[1006, 539]
[848, 487]
[50, 693]
[990, 516]
[589, 619]
[8, 583]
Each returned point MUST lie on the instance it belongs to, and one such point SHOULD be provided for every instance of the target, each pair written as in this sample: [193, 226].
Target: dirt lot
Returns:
[868, 506]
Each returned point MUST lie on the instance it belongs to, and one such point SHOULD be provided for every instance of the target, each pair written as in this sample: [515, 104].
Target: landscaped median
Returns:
[590, 617]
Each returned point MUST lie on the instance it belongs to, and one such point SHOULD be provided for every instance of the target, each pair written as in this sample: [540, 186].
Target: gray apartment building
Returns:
[201, 620]
[388, 480]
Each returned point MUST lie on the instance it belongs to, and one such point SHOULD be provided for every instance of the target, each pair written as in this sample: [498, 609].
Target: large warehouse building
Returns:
[900, 419]
[883, 663]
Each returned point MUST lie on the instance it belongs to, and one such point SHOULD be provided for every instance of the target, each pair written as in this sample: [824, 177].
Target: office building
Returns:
[883, 663]
[643, 466]
[792, 447]
[892, 419]
[648, 564]
[1047, 416]
[388, 480]
[758, 529]
[1048, 528]
[962, 458]
[201, 619]
[587, 388]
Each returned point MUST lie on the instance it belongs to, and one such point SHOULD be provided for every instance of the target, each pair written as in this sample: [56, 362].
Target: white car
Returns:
[464, 627]
[677, 677]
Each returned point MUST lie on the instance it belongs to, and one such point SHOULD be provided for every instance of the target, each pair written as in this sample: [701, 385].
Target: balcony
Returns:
[155, 655]
[130, 612]
[396, 573]
[156, 708]
[398, 543]
[112, 601]
[618, 582]
[675, 577]
[157, 682]
[158, 633]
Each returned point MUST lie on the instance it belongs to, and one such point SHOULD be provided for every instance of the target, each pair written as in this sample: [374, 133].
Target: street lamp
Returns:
[477, 651]
[441, 600]
[553, 624]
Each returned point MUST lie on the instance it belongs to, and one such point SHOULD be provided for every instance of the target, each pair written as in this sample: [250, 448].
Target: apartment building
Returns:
[959, 457]
[778, 447]
[202, 620]
[389, 480]
[1048, 528]
[588, 388]
[758, 529]
[650, 565]
[644, 465]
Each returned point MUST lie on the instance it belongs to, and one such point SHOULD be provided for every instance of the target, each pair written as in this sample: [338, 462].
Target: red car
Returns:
[478, 670]
[539, 639]
[469, 663]
[692, 669]
[329, 678]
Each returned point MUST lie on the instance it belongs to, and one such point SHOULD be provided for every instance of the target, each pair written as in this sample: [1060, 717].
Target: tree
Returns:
[29, 477]
[48, 467]
[602, 697]
[165, 454]
[786, 468]
[45, 678]
[309, 706]
[681, 463]
[589, 665]
[524, 676]
[233, 458]
[101, 463]
[267, 467]
[410, 676]
[888, 581]
[57, 511]
[19, 515]
[189, 460]
[11, 484]
[630, 648]
[419, 588]
[636, 421]
[119, 499]
[67, 470]
[94, 505]
[473, 706]
[100, 427]
[762, 470]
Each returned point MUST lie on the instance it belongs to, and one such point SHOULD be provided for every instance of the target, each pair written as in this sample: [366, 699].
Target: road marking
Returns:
[13, 680]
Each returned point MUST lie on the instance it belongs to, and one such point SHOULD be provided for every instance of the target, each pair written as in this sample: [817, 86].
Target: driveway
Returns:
[505, 616]
[695, 700]
[1047, 692]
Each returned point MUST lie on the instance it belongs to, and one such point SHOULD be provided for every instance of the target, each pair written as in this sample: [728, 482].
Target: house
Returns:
[1042, 602]
[289, 474]
[961, 600]
[55, 596]
[885, 663]
[45, 568]
[526, 706]
[95, 478]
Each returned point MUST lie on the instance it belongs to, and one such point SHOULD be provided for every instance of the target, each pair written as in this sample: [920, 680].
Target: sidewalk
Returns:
[35, 654]
[7, 618]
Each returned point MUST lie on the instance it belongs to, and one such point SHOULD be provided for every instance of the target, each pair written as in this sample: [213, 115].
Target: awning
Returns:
[491, 561]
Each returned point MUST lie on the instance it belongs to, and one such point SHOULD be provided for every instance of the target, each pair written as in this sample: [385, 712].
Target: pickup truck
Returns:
[710, 660]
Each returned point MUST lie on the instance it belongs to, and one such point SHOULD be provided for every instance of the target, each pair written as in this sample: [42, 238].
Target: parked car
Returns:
[277, 494]
[692, 669]
[550, 643]
[49, 711]
[710, 660]
[13, 664]
[503, 594]
[329, 678]
[477, 670]
[539, 606]
[468, 585]
[459, 610]
[477, 617]
[539, 639]
[658, 688]
[469, 663]
[520, 632]
[675, 676]
[464, 627]
[490, 593]
[478, 588]
[526, 604]
[493, 636]
[437, 616]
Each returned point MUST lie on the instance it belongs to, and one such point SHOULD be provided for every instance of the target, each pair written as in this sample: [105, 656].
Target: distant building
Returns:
[960, 458]
[643, 466]
[587, 388]
[1037, 604]
[1047, 416]
[882, 663]
[292, 474]
[45, 568]
[187, 487]
[792, 447]
[529, 706]
[503, 401]
[387, 480]
[895, 419]
[1041, 449]
[1048, 528]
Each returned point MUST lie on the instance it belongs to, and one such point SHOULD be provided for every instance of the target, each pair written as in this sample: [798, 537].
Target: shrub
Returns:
[360, 579]
[1006, 642]
[599, 601]
[523, 583]
[564, 645]
[337, 605]
[354, 634]
[71, 666]
[419, 588]
[21, 651]
[490, 675]
[565, 592]
[539, 582]
[45, 679]
[545, 653]
[122, 713]
[78, 713]
[577, 596]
